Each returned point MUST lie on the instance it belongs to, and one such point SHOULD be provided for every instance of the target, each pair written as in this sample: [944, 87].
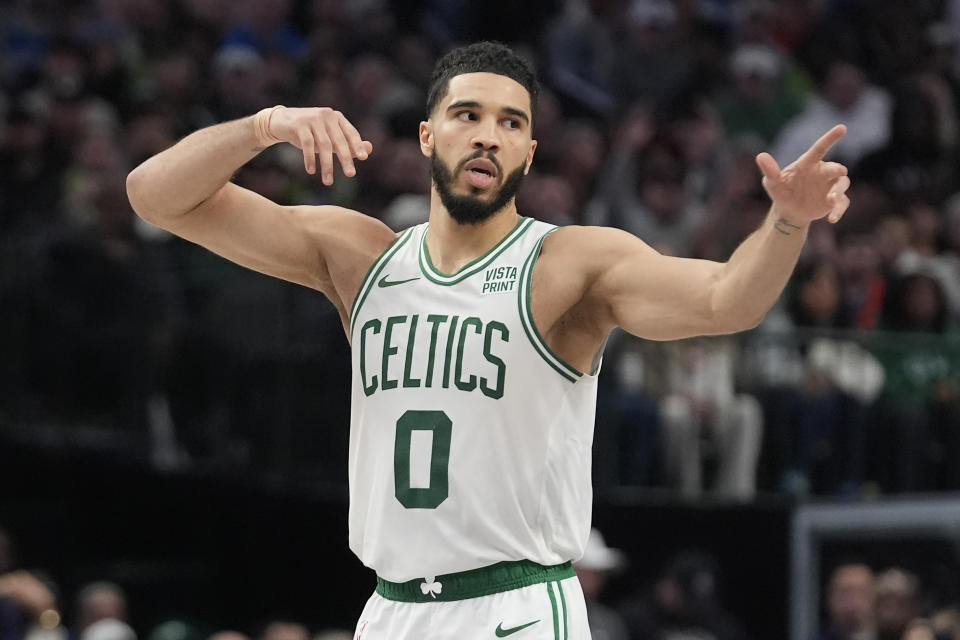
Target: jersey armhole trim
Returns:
[526, 318]
[374, 271]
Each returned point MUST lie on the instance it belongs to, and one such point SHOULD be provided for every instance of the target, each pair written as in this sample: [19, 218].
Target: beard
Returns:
[469, 209]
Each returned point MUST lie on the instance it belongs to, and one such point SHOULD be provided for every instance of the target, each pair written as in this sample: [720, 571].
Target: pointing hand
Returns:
[808, 188]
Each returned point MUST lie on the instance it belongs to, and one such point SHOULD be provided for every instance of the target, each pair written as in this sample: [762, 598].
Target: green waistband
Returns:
[503, 576]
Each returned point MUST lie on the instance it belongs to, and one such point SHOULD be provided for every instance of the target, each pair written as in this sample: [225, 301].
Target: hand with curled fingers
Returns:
[809, 188]
[321, 133]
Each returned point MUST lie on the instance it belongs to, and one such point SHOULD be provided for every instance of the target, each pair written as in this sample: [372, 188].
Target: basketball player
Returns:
[476, 337]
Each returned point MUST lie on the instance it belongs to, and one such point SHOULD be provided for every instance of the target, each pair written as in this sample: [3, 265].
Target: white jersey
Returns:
[470, 440]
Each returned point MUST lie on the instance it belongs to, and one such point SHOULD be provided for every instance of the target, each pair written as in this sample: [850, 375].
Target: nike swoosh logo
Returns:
[392, 283]
[503, 633]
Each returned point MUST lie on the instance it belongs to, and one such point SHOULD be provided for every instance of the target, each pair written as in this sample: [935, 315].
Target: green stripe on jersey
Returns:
[526, 318]
[373, 272]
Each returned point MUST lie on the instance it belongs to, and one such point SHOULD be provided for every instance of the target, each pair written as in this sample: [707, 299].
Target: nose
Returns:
[485, 137]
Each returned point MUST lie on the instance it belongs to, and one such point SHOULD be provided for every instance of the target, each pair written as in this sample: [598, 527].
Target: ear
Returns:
[533, 148]
[426, 138]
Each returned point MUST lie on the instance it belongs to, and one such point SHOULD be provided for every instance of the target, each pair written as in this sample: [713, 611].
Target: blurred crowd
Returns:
[685, 599]
[890, 604]
[650, 118]
[33, 608]
[687, 596]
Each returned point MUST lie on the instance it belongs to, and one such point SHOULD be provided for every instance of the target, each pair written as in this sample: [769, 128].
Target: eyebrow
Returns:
[473, 104]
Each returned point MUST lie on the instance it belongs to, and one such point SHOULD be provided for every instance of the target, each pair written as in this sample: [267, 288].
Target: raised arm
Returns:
[186, 190]
[630, 285]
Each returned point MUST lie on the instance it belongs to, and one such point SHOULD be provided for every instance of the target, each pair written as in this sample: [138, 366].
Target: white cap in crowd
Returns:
[599, 557]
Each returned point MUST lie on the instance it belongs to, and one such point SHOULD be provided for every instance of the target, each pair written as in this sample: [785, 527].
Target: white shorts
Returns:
[553, 609]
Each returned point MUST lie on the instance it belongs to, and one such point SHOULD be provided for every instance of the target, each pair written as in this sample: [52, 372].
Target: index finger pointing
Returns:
[823, 145]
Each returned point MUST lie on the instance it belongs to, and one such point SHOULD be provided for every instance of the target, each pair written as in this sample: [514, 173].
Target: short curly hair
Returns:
[479, 57]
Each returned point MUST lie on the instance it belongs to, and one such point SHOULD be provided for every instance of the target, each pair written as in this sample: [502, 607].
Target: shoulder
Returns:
[329, 219]
[578, 259]
[348, 241]
[340, 231]
[585, 245]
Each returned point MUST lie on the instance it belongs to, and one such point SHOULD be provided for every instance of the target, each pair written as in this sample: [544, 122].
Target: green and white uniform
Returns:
[470, 441]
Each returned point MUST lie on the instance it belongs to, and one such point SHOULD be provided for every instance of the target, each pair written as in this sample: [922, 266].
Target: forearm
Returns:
[175, 181]
[757, 272]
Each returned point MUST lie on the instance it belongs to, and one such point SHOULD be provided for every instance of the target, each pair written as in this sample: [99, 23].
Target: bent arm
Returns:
[665, 298]
[186, 190]
[173, 183]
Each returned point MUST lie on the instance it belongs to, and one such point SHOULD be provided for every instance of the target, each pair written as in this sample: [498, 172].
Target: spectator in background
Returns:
[926, 252]
[758, 101]
[919, 161]
[32, 166]
[173, 88]
[655, 62]
[946, 622]
[265, 25]
[150, 130]
[177, 629]
[28, 606]
[919, 629]
[816, 392]
[694, 126]
[593, 569]
[228, 634]
[634, 429]
[941, 40]
[897, 602]
[374, 87]
[863, 286]
[284, 630]
[734, 209]
[702, 410]
[951, 255]
[685, 603]
[918, 429]
[844, 95]
[580, 56]
[109, 629]
[98, 165]
[650, 198]
[579, 165]
[239, 77]
[850, 602]
[891, 238]
[98, 601]
[548, 197]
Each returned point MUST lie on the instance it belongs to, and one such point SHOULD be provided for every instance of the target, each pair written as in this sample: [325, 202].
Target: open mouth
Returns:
[481, 173]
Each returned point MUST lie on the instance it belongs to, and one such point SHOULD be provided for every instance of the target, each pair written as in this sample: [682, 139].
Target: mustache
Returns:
[479, 153]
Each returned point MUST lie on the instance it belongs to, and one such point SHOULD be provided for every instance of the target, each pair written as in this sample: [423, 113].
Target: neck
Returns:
[452, 245]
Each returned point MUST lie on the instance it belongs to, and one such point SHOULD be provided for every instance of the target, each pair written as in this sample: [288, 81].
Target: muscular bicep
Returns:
[651, 295]
[317, 246]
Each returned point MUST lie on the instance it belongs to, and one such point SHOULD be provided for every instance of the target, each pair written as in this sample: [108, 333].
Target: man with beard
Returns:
[476, 337]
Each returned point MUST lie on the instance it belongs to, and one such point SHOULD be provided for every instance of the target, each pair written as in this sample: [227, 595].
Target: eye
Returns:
[467, 116]
[512, 123]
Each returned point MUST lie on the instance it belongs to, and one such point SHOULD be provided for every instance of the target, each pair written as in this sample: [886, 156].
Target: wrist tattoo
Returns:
[785, 227]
